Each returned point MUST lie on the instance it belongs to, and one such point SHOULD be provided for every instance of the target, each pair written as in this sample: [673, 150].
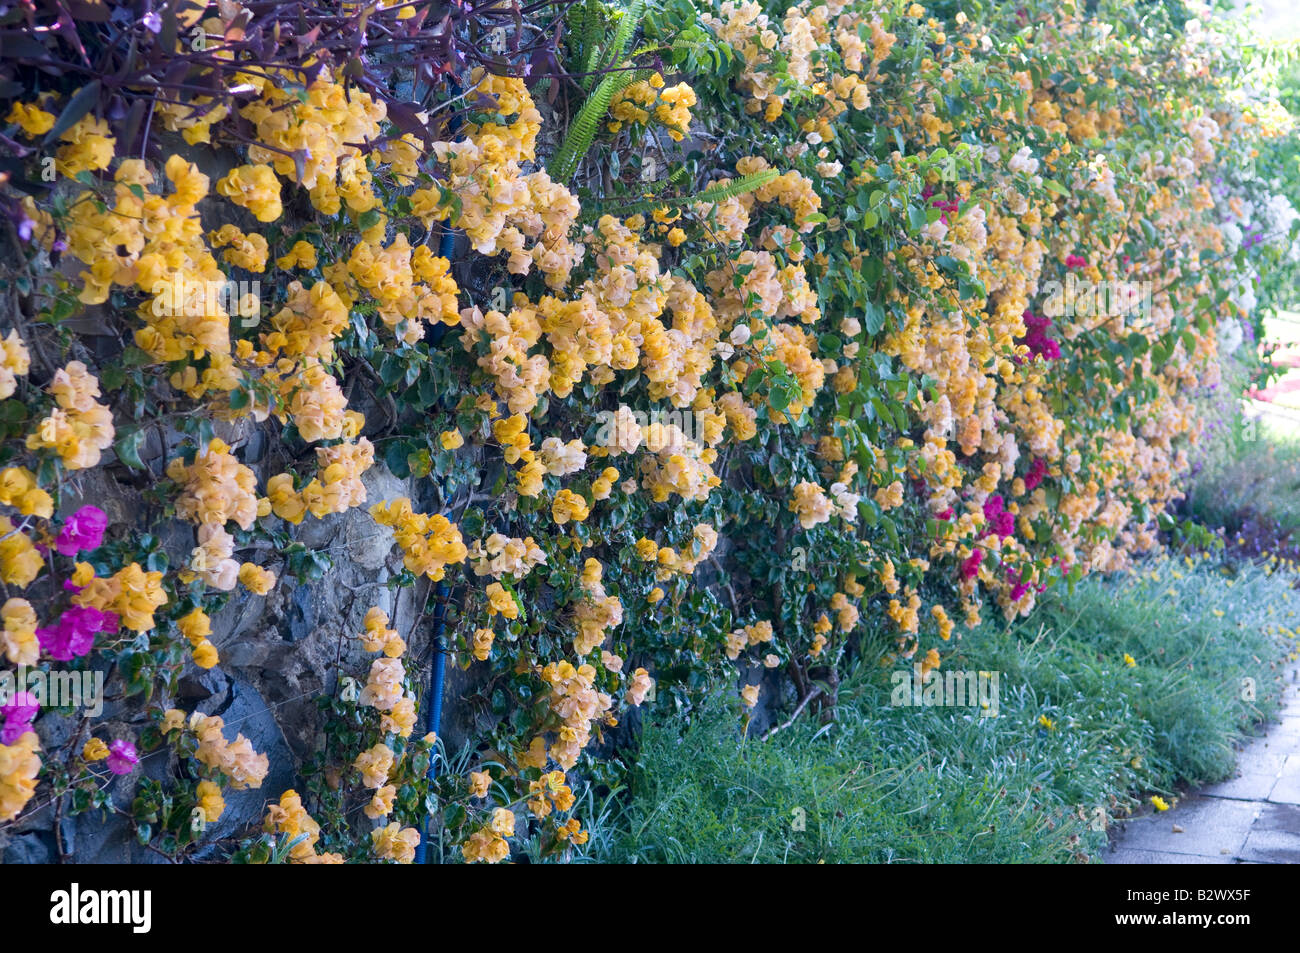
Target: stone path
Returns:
[1253, 818]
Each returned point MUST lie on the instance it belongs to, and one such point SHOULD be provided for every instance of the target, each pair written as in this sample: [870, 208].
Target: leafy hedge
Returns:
[800, 334]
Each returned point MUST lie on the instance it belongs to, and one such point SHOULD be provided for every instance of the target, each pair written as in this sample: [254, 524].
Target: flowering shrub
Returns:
[889, 425]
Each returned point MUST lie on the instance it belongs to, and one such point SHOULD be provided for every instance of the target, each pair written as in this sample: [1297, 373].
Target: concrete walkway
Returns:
[1253, 818]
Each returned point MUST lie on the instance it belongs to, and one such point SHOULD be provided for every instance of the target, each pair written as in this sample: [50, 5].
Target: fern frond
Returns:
[746, 183]
[648, 191]
[617, 47]
[582, 130]
[712, 194]
[592, 32]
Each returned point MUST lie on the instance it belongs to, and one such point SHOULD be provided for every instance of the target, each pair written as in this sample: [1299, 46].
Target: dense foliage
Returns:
[724, 339]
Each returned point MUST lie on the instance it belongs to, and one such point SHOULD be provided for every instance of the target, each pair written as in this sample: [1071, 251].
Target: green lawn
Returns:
[1079, 735]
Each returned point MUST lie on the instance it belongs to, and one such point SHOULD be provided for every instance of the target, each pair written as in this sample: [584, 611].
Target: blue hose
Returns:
[434, 706]
[446, 248]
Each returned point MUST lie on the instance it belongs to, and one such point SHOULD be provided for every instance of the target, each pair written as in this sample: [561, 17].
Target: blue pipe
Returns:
[434, 706]
[446, 248]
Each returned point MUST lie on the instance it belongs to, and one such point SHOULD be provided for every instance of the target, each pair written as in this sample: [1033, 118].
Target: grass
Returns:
[944, 784]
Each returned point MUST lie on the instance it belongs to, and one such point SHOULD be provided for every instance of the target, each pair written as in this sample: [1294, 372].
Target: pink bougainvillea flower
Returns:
[83, 530]
[122, 757]
[18, 712]
[1036, 339]
[998, 519]
[74, 634]
[1036, 473]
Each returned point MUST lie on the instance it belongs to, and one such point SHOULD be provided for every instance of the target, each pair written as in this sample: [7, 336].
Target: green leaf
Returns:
[81, 103]
[873, 317]
[128, 448]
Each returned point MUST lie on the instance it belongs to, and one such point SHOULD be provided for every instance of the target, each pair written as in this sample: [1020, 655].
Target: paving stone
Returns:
[1286, 790]
[1275, 837]
[1210, 825]
[1286, 733]
[1272, 847]
[1248, 787]
[1278, 817]
[1258, 759]
[1127, 856]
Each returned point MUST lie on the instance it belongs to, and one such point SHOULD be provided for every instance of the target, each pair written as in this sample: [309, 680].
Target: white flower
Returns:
[1022, 161]
[935, 232]
[1229, 337]
[561, 459]
[845, 502]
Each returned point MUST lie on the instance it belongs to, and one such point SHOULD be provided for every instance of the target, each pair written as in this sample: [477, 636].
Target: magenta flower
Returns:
[970, 567]
[1037, 471]
[1019, 586]
[74, 634]
[83, 530]
[1036, 339]
[18, 712]
[999, 520]
[122, 758]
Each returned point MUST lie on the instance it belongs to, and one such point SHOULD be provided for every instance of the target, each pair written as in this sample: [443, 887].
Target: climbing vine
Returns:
[716, 341]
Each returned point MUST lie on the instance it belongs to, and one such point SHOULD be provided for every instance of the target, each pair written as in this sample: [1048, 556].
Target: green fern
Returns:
[623, 35]
[593, 208]
[712, 194]
[746, 183]
[597, 51]
[582, 130]
[596, 57]
[590, 31]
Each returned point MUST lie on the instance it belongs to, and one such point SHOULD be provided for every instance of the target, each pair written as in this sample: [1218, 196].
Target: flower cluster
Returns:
[290, 820]
[79, 428]
[236, 760]
[429, 543]
[576, 703]
[648, 100]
